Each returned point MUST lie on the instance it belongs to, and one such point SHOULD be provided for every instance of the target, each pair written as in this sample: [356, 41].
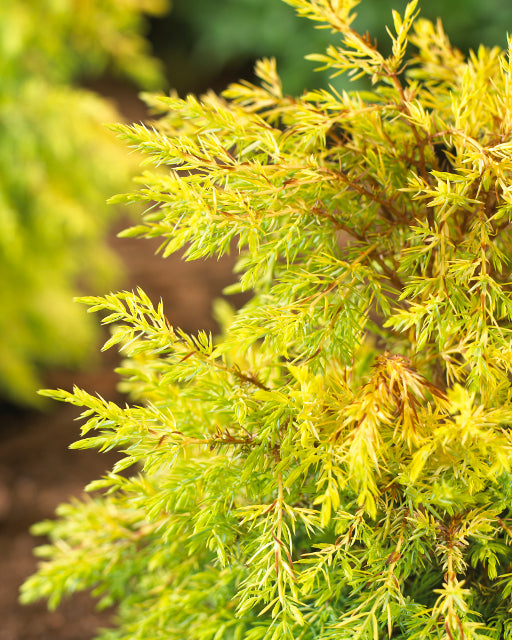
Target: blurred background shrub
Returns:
[58, 166]
[205, 43]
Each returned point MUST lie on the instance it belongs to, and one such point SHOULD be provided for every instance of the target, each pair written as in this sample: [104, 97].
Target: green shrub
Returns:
[338, 463]
[58, 165]
[211, 39]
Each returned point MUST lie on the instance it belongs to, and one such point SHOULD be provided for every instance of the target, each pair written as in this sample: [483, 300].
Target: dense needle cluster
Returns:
[337, 464]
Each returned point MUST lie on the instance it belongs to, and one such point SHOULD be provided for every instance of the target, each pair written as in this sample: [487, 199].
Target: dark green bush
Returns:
[204, 40]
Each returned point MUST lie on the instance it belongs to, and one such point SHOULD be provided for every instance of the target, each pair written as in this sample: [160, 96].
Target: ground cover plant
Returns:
[58, 166]
[337, 464]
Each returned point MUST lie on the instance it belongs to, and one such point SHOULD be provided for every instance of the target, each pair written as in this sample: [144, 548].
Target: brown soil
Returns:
[38, 471]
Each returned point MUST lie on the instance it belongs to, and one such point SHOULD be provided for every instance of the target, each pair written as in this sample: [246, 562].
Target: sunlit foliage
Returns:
[337, 465]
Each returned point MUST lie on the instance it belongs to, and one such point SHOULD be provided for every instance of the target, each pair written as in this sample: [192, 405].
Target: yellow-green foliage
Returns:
[58, 165]
[338, 464]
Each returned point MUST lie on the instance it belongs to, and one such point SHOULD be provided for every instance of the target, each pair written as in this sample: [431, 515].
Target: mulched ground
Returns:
[38, 471]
